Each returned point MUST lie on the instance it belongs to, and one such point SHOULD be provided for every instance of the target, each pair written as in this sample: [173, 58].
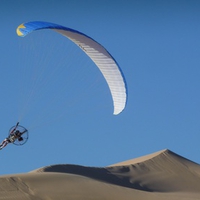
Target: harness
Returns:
[12, 138]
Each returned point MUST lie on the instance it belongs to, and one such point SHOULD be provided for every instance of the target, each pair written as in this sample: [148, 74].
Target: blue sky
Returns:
[69, 113]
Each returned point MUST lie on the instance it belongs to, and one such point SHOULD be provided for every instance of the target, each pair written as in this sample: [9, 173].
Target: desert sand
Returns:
[163, 175]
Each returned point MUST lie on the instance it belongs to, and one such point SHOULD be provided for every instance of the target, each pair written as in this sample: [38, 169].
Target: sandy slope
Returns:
[160, 176]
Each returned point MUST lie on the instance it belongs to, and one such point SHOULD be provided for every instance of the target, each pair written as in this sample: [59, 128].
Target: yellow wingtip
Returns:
[19, 33]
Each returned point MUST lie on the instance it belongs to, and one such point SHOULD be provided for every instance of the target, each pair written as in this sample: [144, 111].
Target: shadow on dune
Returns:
[100, 174]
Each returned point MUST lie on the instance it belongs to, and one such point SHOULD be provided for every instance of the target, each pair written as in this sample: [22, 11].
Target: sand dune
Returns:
[163, 175]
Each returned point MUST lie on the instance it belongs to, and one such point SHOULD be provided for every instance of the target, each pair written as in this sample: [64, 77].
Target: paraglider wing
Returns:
[100, 56]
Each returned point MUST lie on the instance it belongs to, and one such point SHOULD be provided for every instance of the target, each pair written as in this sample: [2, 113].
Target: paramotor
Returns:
[22, 137]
